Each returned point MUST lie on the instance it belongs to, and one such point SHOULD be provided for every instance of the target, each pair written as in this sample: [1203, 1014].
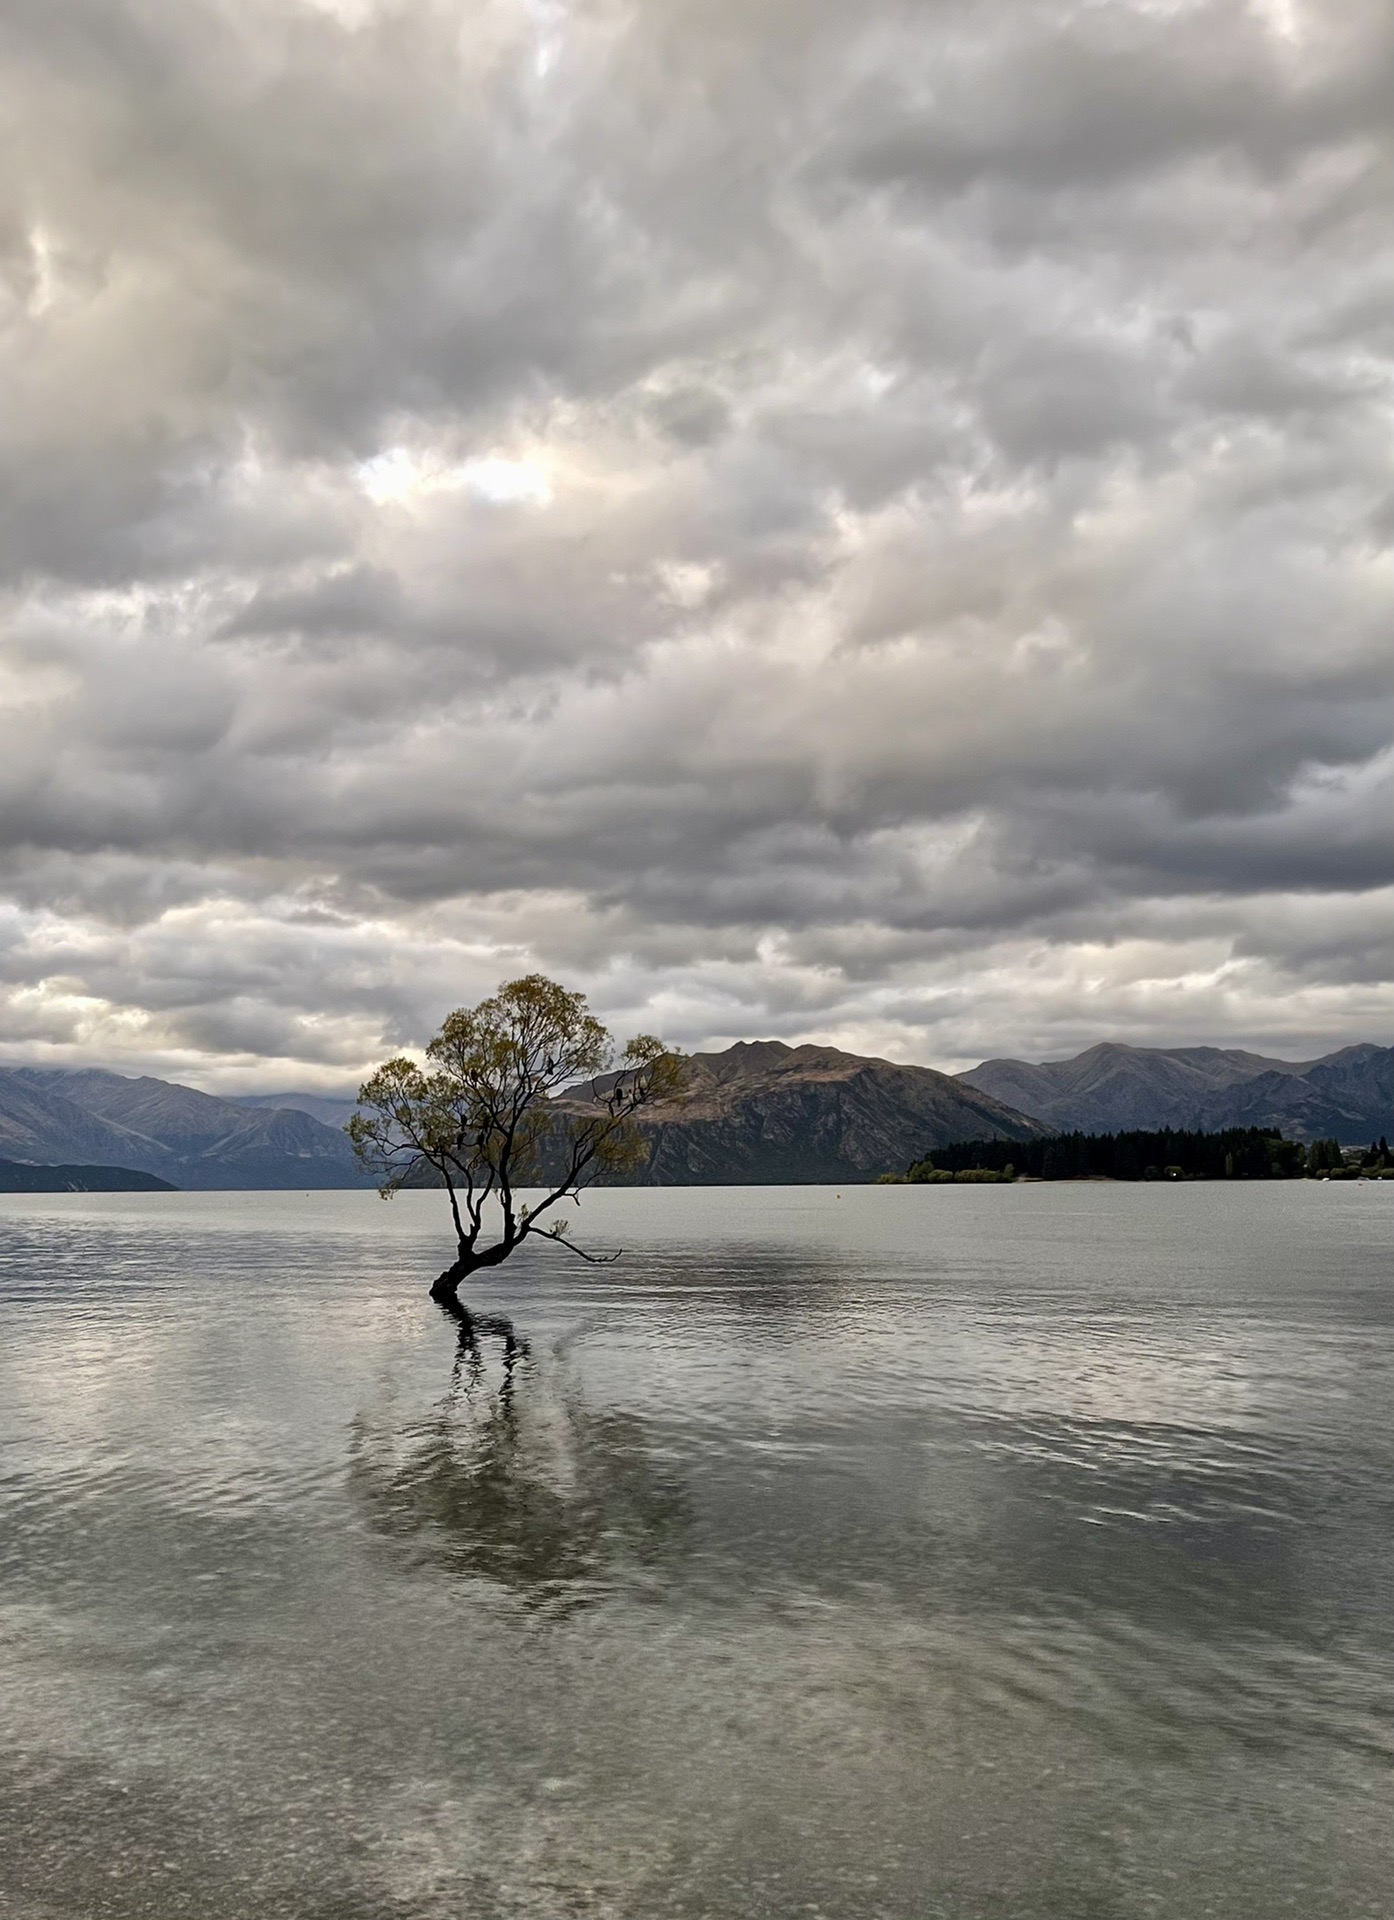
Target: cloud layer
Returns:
[864, 523]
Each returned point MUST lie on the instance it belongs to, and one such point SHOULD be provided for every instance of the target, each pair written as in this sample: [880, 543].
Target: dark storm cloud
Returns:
[871, 522]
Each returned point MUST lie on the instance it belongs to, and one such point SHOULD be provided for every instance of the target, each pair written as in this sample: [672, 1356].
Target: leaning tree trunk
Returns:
[445, 1288]
[445, 1291]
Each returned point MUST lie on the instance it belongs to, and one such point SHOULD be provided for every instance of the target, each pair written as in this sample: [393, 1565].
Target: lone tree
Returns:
[481, 1113]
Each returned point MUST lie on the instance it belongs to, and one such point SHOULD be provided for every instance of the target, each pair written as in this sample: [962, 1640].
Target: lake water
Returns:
[917, 1552]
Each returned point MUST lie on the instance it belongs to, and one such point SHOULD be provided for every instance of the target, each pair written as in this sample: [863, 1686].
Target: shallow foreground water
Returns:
[966, 1551]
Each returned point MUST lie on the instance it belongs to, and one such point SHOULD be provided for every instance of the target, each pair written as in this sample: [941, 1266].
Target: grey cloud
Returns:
[861, 521]
[1246, 374]
[353, 601]
[1081, 97]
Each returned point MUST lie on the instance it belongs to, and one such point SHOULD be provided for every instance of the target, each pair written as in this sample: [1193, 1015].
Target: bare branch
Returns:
[592, 1259]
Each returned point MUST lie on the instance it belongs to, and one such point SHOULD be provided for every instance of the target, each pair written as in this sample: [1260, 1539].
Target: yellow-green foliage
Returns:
[481, 1110]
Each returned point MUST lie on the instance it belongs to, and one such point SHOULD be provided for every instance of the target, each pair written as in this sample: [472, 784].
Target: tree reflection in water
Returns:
[513, 1480]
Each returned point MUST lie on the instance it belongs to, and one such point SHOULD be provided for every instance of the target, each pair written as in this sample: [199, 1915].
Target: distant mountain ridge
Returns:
[1347, 1095]
[330, 1109]
[760, 1112]
[50, 1115]
[17, 1177]
[763, 1113]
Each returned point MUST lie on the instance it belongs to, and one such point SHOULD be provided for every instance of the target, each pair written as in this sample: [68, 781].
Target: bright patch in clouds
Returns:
[398, 476]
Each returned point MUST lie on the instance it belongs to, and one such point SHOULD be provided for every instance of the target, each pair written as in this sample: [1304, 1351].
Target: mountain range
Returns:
[763, 1113]
[188, 1138]
[1346, 1096]
[331, 1110]
[759, 1112]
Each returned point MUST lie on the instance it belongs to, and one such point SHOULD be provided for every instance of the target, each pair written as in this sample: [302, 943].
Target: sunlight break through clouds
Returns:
[866, 524]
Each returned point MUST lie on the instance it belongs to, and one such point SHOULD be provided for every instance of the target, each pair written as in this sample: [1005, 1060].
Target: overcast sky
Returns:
[861, 522]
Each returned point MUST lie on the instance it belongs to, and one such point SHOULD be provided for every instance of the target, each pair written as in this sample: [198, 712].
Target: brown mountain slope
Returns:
[763, 1113]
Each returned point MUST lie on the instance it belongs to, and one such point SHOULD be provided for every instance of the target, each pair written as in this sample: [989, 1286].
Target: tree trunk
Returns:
[445, 1288]
[445, 1291]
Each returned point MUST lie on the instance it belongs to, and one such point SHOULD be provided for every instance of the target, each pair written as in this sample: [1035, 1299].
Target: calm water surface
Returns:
[919, 1552]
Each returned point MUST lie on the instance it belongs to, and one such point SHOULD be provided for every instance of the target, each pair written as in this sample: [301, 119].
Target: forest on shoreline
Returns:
[1236, 1153]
